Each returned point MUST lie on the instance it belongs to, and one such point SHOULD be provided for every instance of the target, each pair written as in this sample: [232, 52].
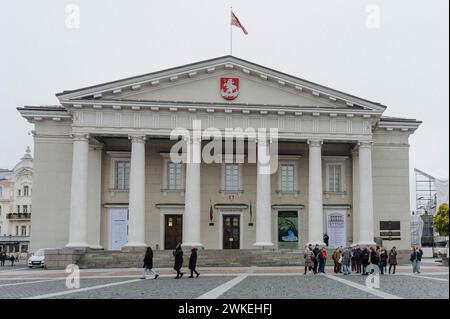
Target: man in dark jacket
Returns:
[316, 252]
[178, 254]
[416, 258]
[193, 263]
[148, 264]
[358, 253]
[365, 256]
[326, 238]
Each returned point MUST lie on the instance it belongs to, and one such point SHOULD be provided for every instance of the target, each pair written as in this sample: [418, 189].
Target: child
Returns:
[193, 263]
[148, 264]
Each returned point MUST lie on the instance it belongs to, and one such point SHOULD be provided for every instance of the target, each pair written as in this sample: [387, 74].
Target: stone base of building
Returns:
[133, 258]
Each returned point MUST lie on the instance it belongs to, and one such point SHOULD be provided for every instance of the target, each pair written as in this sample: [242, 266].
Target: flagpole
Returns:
[231, 31]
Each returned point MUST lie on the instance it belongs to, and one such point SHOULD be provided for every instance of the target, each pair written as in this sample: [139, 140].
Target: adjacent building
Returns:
[104, 178]
[15, 205]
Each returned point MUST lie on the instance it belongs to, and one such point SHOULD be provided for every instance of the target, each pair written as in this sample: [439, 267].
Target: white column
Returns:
[192, 209]
[366, 232]
[263, 197]
[94, 198]
[355, 195]
[78, 192]
[315, 201]
[136, 211]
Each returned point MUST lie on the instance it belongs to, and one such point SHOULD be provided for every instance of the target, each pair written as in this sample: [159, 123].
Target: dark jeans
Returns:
[179, 273]
[392, 266]
[381, 267]
[194, 271]
[322, 266]
[316, 265]
[364, 266]
[337, 267]
[358, 267]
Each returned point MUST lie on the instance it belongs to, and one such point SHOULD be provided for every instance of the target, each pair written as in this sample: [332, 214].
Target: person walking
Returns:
[309, 260]
[346, 259]
[374, 258]
[416, 258]
[2, 258]
[178, 254]
[358, 253]
[17, 256]
[12, 259]
[353, 259]
[193, 263]
[316, 252]
[148, 264]
[337, 260]
[365, 257]
[393, 259]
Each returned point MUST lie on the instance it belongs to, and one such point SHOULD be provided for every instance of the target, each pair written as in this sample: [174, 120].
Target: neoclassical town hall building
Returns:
[103, 177]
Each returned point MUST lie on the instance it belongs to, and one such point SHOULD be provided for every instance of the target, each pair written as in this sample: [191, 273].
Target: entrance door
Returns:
[288, 230]
[231, 231]
[173, 231]
[118, 228]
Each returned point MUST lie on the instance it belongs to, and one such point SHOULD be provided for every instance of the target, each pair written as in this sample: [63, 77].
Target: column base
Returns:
[263, 245]
[135, 245]
[192, 245]
[77, 245]
[365, 244]
[96, 247]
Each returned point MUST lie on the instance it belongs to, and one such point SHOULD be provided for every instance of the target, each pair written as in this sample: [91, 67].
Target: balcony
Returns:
[18, 216]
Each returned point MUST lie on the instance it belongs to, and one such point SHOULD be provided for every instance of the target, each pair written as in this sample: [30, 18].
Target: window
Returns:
[232, 177]
[25, 209]
[18, 209]
[334, 178]
[19, 192]
[23, 230]
[287, 177]
[26, 191]
[174, 176]
[122, 175]
[1, 192]
[24, 249]
[17, 230]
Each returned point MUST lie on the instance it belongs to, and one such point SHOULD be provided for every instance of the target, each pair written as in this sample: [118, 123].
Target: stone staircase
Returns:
[206, 258]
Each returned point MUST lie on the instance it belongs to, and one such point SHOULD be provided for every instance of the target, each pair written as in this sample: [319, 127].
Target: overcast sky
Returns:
[401, 61]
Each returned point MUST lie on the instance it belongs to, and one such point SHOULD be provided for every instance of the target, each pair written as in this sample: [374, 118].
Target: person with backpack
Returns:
[416, 258]
[323, 260]
[365, 257]
[178, 254]
[346, 259]
[193, 263]
[148, 264]
[393, 259]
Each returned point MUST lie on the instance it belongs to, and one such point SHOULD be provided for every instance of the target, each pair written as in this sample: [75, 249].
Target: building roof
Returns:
[4, 173]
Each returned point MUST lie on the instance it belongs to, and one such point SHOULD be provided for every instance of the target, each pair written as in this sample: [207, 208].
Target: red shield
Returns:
[229, 88]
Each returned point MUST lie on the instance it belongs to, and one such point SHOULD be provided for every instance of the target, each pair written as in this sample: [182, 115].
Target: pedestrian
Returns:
[416, 257]
[358, 253]
[353, 259]
[323, 260]
[12, 258]
[178, 254]
[337, 260]
[383, 260]
[326, 238]
[316, 252]
[2, 258]
[374, 258]
[17, 256]
[193, 263]
[365, 257]
[148, 264]
[309, 260]
[393, 259]
[346, 257]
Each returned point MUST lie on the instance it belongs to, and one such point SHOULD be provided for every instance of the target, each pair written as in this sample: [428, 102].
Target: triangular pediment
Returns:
[200, 83]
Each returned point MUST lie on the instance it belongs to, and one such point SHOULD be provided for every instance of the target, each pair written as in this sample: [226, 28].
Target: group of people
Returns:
[358, 260]
[178, 263]
[12, 258]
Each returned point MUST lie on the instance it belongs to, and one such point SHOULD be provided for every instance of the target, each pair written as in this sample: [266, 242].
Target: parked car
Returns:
[38, 258]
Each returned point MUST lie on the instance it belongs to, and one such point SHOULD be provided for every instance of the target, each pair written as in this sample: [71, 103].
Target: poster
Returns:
[336, 228]
[288, 230]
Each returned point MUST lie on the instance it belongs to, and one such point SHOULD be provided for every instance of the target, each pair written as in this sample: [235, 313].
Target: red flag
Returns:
[236, 23]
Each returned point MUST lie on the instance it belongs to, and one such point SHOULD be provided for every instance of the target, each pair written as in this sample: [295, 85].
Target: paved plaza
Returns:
[223, 283]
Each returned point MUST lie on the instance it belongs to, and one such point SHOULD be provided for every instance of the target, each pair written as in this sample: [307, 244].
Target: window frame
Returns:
[223, 186]
[117, 157]
[165, 177]
[288, 160]
[335, 161]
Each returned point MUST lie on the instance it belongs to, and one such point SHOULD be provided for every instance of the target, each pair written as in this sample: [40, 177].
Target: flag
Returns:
[211, 211]
[236, 23]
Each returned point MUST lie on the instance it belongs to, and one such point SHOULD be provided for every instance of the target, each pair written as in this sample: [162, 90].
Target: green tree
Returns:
[441, 220]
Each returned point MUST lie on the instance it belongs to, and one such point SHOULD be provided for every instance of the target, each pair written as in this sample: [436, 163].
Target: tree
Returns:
[441, 220]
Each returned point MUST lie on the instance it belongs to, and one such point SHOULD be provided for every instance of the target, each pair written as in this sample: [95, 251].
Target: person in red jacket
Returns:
[323, 260]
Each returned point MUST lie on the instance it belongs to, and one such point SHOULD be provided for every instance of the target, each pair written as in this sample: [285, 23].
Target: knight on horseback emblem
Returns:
[229, 88]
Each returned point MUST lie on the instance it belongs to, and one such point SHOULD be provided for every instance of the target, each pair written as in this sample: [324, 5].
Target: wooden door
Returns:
[173, 231]
[231, 231]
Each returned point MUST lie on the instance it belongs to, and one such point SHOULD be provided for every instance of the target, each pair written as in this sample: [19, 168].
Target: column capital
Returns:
[315, 142]
[365, 144]
[80, 136]
[137, 138]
